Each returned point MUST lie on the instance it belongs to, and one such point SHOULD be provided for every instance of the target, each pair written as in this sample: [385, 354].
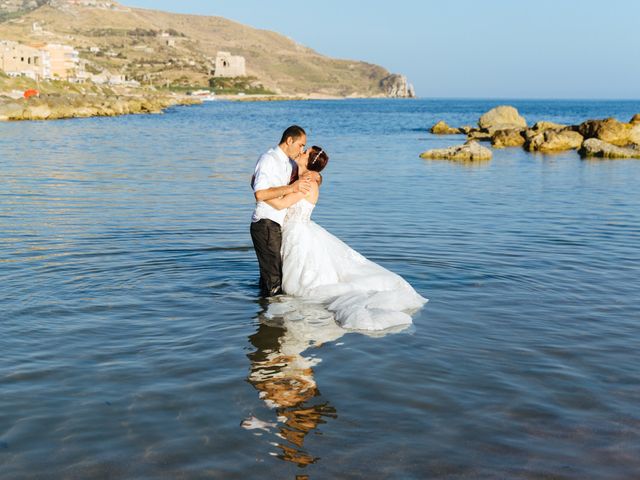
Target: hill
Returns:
[168, 49]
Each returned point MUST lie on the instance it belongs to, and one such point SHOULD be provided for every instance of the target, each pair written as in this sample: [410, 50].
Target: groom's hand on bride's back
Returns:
[302, 185]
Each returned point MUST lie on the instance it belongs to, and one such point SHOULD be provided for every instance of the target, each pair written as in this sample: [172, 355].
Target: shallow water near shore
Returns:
[134, 343]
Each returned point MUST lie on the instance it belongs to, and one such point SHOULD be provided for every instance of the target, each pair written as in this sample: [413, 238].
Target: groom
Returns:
[271, 179]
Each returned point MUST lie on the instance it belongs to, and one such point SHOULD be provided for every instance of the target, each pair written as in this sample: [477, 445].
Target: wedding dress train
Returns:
[361, 294]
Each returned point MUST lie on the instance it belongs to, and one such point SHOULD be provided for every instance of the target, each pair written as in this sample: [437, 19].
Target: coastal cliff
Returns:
[397, 86]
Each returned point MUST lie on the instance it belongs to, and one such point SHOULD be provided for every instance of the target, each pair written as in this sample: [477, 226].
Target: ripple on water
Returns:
[134, 344]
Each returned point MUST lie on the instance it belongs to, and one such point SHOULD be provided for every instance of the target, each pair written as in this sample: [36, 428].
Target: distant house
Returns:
[228, 65]
[39, 60]
[108, 78]
[64, 60]
[22, 60]
[91, 3]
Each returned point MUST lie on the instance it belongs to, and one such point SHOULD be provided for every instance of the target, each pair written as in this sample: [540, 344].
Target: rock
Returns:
[134, 105]
[501, 118]
[470, 151]
[466, 129]
[84, 112]
[117, 108]
[634, 134]
[396, 86]
[479, 135]
[507, 138]
[11, 110]
[153, 106]
[608, 130]
[542, 126]
[554, 141]
[441, 128]
[635, 119]
[593, 147]
[36, 112]
[528, 134]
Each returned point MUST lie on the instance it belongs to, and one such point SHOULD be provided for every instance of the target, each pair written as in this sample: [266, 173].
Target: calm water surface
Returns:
[133, 343]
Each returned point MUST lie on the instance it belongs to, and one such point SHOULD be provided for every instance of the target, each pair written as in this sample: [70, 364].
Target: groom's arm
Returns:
[286, 201]
[292, 198]
[303, 185]
[299, 186]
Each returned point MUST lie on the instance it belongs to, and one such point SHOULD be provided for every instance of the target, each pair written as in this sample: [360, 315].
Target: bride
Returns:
[318, 266]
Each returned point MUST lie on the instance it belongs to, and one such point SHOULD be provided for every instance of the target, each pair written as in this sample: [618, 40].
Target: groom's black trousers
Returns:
[267, 239]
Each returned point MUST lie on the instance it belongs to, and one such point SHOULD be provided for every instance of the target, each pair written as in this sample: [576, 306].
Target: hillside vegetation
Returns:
[167, 49]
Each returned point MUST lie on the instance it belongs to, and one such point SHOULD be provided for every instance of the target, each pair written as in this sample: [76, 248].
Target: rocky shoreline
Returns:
[55, 106]
[504, 127]
[62, 106]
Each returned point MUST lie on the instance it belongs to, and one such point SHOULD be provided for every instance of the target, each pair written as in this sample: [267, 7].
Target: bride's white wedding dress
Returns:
[361, 294]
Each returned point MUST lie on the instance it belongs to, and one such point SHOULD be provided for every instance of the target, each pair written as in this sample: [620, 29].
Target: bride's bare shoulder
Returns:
[314, 192]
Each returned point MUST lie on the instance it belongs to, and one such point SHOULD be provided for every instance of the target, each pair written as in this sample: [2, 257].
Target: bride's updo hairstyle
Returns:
[318, 159]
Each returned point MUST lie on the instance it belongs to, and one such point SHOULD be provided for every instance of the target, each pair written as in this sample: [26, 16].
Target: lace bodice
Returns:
[299, 212]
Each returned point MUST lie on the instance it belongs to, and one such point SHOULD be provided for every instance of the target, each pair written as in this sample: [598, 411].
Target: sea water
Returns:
[134, 344]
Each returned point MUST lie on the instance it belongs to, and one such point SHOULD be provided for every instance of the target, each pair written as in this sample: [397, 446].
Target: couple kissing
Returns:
[299, 258]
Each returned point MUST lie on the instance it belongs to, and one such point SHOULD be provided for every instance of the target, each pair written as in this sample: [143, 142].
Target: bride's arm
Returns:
[285, 201]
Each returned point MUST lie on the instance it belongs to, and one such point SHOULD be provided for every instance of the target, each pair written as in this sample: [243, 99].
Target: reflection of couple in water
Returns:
[282, 371]
[285, 379]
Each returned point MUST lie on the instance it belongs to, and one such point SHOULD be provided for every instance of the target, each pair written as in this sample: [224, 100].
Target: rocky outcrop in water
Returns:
[469, 152]
[501, 118]
[511, 137]
[610, 131]
[504, 119]
[592, 147]
[554, 141]
[397, 86]
[479, 135]
[505, 127]
[441, 128]
[53, 107]
[543, 125]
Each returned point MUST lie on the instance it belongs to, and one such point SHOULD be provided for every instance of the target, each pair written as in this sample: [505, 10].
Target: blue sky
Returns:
[463, 48]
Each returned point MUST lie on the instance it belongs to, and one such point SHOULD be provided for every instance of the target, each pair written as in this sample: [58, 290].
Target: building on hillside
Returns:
[108, 78]
[39, 60]
[22, 60]
[228, 65]
[12, 6]
[105, 4]
[64, 60]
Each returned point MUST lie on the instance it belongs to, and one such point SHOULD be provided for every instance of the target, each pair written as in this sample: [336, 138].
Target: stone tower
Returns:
[228, 65]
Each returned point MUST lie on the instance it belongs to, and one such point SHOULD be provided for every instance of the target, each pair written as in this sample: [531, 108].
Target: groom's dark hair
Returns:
[294, 131]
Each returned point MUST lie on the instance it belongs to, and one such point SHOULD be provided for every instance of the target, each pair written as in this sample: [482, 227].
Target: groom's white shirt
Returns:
[273, 169]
